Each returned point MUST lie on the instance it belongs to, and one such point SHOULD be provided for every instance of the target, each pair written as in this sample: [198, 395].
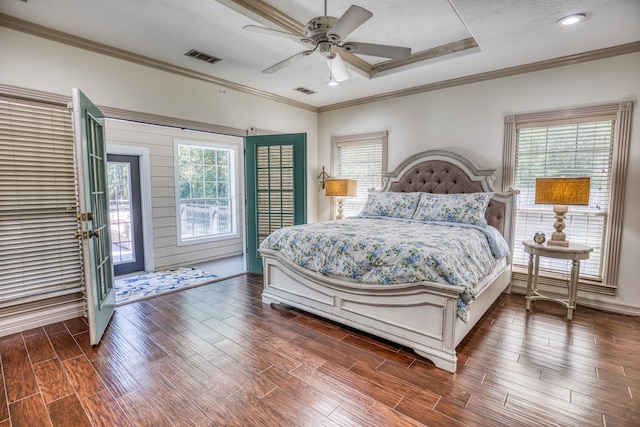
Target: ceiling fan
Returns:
[326, 34]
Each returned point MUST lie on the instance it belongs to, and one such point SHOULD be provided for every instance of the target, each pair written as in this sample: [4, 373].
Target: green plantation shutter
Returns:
[566, 150]
[40, 259]
[274, 167]
[276, 188]
[363, 159]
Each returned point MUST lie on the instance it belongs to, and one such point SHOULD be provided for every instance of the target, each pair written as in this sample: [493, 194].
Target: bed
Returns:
[424, 315]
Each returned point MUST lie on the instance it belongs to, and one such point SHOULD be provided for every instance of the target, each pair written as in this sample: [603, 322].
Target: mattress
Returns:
[390, 251]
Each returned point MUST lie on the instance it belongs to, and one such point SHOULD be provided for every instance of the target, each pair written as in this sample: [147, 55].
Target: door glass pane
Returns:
[119, 175]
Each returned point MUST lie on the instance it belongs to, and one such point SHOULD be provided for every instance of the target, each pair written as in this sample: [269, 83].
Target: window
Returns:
[589, 142]
[363, 158]
[206, 191]
[40, 257]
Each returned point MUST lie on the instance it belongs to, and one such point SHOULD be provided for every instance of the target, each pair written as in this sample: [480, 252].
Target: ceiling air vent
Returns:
[203, 56]
[304, 90]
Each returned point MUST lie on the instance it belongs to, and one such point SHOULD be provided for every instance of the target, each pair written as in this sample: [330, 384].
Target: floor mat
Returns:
[146, 285]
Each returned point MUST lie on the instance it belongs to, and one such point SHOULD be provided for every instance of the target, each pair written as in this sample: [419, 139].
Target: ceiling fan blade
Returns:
[270, 32]
[338, 69]
[352, 19]
[280, 65]
[383, 50]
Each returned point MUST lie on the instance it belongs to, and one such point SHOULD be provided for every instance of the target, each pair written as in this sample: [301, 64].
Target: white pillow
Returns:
[390, 204]
[465, 208]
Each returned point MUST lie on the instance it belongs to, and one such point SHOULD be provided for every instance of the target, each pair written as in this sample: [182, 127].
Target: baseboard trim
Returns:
[585, 301]
[40, 317]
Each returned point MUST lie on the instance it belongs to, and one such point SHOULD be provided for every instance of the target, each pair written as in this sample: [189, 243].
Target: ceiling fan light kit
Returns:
[332, 81]
[327, 36]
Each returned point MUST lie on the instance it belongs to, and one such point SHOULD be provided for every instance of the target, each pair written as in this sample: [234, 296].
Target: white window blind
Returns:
[40, 257]
[362, 158]
[565, 150]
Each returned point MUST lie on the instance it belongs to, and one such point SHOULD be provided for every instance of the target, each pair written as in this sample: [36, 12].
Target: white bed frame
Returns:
[420, 315]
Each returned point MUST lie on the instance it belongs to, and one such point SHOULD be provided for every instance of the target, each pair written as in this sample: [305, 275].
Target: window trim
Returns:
[233, 190]
[622, 138]
[356, 139]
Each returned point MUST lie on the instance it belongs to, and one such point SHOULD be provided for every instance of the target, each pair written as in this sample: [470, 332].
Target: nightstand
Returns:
[575, 252]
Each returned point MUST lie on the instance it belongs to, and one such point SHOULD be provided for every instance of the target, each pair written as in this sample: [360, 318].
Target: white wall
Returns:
[162, 219]
[35, 63]
[469, 120]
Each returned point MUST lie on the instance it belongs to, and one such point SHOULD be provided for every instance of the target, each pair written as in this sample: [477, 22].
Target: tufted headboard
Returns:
[436, 176]
[444, 172]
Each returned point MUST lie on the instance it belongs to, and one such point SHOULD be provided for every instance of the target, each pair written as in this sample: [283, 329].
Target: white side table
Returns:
[575, 252]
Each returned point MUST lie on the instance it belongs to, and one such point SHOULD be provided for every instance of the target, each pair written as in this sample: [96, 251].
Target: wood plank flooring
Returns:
[215, 355]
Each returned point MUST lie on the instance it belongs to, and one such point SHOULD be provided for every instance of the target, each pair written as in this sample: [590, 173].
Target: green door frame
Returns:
[298, 143]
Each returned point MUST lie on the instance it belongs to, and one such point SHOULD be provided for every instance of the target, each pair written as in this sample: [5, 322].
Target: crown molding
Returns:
[48, 33]
[563, 61]
[425, 55]
[82, 43]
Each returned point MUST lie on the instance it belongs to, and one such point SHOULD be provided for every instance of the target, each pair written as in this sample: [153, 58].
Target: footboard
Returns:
[421, 315]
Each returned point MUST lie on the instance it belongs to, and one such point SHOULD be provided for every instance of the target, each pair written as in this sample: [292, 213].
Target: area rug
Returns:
[147, 285]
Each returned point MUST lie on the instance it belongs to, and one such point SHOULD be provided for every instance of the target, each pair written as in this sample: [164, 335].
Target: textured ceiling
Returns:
[509, 33]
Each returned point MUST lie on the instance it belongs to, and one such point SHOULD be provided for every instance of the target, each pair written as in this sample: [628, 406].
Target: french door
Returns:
[91, 163]
[125, 213]
[276, 168]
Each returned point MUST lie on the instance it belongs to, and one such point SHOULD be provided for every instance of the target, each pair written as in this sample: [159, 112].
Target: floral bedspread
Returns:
[388, 251]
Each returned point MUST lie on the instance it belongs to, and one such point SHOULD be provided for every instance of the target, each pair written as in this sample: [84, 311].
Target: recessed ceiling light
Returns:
[572, 19]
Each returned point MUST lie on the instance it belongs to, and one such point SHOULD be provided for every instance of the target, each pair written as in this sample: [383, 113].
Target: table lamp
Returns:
[562, 192]
[341, 188]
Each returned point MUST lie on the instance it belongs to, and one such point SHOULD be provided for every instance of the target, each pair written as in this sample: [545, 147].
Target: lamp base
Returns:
[552, 242]
[558, 238]
[340, 208]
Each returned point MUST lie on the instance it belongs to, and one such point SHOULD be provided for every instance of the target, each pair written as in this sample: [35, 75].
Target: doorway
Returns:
[125, 213]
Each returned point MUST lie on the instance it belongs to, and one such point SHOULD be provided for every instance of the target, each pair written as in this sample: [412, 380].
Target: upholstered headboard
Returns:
[436, 176]
[444, 172]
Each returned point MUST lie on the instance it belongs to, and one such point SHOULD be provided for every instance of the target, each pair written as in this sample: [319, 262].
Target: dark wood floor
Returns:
[214, 355]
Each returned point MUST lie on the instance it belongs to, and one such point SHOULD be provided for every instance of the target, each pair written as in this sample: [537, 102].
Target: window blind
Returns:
[40, 258]
[362, 161]
[582, 148]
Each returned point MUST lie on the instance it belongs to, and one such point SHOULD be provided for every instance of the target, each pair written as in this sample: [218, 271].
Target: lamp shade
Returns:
[563, 191]
[341, 187]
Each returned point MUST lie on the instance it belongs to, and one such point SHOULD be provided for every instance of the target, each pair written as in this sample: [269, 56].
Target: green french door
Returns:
[276, 170]
[93, 197]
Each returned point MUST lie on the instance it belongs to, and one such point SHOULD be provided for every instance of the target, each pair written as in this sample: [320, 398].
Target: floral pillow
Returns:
[467, 208]
[390, 204]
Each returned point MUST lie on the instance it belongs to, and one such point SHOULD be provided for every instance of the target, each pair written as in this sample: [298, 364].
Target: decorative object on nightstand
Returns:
[562, 192]
[340, 188]
[539, 237]
[573, 251]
